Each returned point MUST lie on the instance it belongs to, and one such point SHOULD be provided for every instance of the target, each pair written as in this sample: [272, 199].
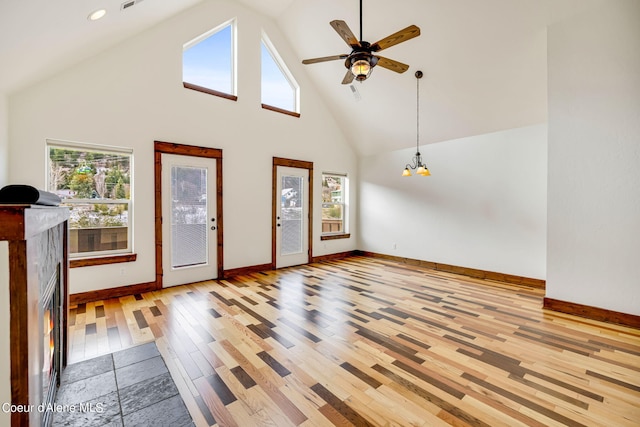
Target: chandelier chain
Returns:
[417, 114]
[417, 159]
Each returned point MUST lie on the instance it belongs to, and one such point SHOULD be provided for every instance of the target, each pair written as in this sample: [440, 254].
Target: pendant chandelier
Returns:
[417, 159]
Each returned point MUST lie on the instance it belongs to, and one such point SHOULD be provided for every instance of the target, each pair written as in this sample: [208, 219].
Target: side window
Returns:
[279, 90]
[208, 62]
[334, 204]
[95, 183]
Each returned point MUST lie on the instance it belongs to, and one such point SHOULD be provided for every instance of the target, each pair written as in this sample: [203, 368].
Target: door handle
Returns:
[213, 227]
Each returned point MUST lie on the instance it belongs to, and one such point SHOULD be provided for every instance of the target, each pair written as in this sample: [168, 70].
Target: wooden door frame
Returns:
[301, 164]
[161, 148]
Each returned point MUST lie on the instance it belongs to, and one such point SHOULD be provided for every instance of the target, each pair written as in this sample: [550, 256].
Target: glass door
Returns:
[188, 219]
[292, 216]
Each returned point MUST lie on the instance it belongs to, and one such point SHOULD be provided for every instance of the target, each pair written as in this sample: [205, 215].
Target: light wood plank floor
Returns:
[365, 341]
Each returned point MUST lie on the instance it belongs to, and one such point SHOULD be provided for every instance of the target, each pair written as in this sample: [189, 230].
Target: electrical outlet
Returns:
[395, 246]
[122, 271]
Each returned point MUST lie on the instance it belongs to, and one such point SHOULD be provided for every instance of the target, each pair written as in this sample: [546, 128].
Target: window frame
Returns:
[277, 59]
[113, 255]
[234, 66]
[344, 196]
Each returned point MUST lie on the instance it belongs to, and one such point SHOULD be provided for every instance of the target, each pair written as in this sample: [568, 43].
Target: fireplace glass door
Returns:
[51, 343]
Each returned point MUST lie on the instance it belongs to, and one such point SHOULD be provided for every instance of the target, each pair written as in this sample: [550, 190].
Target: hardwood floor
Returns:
[366, 341]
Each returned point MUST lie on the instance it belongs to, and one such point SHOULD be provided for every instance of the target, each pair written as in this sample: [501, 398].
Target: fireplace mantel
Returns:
[34, 243]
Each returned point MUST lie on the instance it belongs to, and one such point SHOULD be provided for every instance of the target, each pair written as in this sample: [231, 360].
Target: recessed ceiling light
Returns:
[94, 16]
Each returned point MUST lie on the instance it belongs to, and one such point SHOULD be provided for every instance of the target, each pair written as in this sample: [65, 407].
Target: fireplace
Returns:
[34, 351]
[52, 348]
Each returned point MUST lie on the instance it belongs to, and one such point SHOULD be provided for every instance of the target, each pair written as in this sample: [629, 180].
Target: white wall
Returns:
[484, 206]
[132, 95]
[4, 141]
[594, 158]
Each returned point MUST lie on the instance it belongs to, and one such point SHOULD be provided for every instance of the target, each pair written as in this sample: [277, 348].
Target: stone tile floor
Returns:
[131, 387]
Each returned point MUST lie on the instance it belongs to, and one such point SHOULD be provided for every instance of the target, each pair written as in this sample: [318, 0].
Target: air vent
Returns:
[128, 4]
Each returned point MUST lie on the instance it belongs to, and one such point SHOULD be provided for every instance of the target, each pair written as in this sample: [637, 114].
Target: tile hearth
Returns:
[131, 387]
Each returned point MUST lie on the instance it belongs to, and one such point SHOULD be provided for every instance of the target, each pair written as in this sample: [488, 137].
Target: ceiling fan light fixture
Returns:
[361, 69]
[361, 60]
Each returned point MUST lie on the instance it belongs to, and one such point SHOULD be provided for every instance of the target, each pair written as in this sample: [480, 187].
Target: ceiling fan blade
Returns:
[401, 36]
[348, 78]
[345, 32]
[324, 59]
[392, 65]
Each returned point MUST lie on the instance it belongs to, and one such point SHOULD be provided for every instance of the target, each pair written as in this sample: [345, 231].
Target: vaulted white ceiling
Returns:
[484, 61]
[41, 37]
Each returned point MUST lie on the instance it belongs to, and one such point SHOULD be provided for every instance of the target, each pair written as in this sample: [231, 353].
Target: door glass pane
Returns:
[188, 216]
[291, 215]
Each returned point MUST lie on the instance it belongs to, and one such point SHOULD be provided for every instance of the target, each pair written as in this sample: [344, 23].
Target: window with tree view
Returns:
[334, 188]
[95, 183]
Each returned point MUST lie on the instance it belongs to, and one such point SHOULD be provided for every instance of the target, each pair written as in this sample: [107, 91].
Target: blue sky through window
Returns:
[277, 91]
[208, 62]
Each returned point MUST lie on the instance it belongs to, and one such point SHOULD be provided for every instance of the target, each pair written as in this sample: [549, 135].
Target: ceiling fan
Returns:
[361, 60]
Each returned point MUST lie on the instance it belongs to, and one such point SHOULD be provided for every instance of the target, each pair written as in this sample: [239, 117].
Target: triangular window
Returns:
[208, 62]
[280, 92]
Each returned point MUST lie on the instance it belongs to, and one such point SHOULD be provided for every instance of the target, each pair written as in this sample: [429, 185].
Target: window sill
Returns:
[112, 259]
[209, 91]
[335, 236]
[280, 110]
